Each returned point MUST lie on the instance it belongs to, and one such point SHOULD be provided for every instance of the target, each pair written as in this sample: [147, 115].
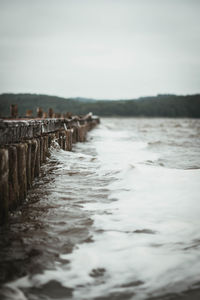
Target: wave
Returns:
[137, 215]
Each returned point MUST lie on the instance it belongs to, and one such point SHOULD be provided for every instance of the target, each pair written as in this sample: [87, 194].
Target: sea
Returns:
[117, 218]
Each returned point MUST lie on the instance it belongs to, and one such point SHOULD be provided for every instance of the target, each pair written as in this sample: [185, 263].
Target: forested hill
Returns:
[159, 106]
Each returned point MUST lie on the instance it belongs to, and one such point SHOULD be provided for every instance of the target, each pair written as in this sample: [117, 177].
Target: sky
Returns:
[104, 49]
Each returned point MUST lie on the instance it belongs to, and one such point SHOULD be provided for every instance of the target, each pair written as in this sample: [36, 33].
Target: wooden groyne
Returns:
[24, 147]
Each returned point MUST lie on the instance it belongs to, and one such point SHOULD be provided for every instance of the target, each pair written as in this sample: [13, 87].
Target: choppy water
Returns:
[118, 218]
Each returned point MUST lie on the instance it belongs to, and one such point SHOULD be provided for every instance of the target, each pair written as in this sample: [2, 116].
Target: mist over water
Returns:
[117, 218]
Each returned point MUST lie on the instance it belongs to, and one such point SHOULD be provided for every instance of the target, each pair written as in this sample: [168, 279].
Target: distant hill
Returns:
[158, 106]
[81, 99]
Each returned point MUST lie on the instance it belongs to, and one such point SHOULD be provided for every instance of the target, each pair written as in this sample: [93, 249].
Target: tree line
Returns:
[157, 106]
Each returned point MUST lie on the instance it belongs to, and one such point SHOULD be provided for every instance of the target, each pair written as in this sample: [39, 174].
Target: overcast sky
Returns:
[100, 48]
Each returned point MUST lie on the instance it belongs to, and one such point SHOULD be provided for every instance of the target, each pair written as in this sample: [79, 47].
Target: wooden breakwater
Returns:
[24, 147]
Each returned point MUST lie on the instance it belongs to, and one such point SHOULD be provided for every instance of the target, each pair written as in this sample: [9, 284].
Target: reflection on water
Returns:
[118, 218]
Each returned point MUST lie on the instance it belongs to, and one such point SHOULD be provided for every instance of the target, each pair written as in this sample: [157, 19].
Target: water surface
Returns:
[117, 218]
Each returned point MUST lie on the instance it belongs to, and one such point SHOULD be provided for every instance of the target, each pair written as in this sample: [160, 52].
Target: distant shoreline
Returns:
[168, 106]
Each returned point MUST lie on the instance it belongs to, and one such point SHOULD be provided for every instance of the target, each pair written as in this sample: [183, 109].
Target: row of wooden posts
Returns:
[20, 162]
[40, 113]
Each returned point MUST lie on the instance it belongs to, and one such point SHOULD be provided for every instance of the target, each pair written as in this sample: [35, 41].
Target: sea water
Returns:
[117, 218]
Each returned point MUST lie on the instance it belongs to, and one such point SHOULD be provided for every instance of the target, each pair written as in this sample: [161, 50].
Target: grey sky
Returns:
[100, 48]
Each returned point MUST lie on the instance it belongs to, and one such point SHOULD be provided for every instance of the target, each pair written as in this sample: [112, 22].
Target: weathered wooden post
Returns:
[57, 137]
[4, 189]
[57, 115]
[39, 112]
[75, 135]
[61, 139]
[45, 147]
[81, 133]
[68, 115]
[13, 177]
[37, 158]
[50, 139]
[14, 110]
[41, 150]
[50, 113]
[29, 113]
[28, 165]
[45, 115]
[34, 150]
[22, 179]
[69, 137]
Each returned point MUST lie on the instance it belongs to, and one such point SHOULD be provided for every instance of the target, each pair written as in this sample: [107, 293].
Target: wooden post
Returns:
[50, 139]
[34, 149]
[41, 150]
[37, 158]
[68, 115]
[60, 141]
[81, 133]
[64, 140]
[29, 113]
[4, 190]
[69, 136]
[22, 179]
[14, 110]
[50, 113]
[57, 137]
[75, 134]
[39, 112]
[45, 138]
[28, 165]
[45, 115]
[57, 115]
[13, 177]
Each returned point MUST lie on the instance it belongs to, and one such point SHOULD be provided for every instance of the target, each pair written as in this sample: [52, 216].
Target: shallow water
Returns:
[117, 218]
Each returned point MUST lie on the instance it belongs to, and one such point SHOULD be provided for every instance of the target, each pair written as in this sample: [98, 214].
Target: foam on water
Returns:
[145, 232]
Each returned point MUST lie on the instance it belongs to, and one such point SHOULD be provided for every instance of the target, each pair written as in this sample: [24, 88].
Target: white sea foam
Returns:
[149, 229]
